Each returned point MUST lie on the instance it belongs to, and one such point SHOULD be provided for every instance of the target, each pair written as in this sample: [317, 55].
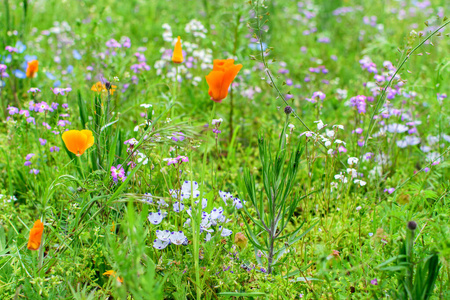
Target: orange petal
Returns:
[75, 141]
[98, 87]
[221, 64]
[177, 56]
[228, 78]
[110, 273]
[34, 241]
[215, 81]
[89, 138]
[38, 224]
[32, 68]
[113, 274]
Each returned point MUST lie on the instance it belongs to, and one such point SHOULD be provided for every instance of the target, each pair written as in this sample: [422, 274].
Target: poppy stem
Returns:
[212, 161]
[195, 230]
[231, 114]
[81, 167]
[175, 92]
[41, 246]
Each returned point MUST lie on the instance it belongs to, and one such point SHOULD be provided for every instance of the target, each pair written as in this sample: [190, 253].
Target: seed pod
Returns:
[288, 110]
[412, 225]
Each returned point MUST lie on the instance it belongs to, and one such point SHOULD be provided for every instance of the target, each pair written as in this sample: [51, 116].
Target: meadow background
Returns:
[335, 131]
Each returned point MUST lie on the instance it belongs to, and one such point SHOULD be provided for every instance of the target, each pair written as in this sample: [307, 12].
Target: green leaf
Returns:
[83, 110]
[113, 149]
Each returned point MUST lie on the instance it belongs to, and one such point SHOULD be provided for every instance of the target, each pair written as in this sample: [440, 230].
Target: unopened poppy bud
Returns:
[108, 85]
[412, 225]
[177, 56]
[34, 241]
[32, 68]
[288, 110]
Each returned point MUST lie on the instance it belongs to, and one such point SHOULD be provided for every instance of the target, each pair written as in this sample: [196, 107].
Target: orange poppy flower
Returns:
[100, 87]
[34, 241]
[219, 79]
[78, 141]
[113, 274]
[32, 68]
[177, 56]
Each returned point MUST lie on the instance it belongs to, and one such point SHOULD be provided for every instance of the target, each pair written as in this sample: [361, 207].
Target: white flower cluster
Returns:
[329, 138]
[167, 34]
[196, 28]
[4, 199]
[210, 222]
[352, 174]
[137, 156]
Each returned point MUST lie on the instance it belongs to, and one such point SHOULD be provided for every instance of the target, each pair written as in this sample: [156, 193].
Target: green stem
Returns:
[80, 165]
[195, 235]
[175, 92]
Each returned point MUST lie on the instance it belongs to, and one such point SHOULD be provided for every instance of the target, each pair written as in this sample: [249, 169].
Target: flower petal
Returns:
[75, 141]
[215, 81]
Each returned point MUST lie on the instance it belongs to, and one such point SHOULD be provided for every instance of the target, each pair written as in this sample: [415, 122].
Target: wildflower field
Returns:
[227, 149]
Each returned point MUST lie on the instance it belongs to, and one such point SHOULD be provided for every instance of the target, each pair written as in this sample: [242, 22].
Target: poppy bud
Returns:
[412, 225]
[32, 68]
[34, 241]
[288, 110]
[177, 56]
[108, 85]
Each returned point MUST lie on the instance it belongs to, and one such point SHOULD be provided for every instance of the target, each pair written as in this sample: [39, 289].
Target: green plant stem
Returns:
[81, 167]
[175, 93]
[195, 234]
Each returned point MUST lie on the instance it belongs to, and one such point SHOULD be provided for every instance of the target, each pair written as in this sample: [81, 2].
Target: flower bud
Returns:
[412, 225]
[288, 110]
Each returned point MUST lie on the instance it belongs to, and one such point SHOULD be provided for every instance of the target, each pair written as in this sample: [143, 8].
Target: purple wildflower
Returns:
[61, 91]
[13, 110]
[29, 156]
[33, 90]
[171, 161]
[389, 191]
[118, 173]
[34, 171]
[178, 136]
[182, 158]
[24, 112]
